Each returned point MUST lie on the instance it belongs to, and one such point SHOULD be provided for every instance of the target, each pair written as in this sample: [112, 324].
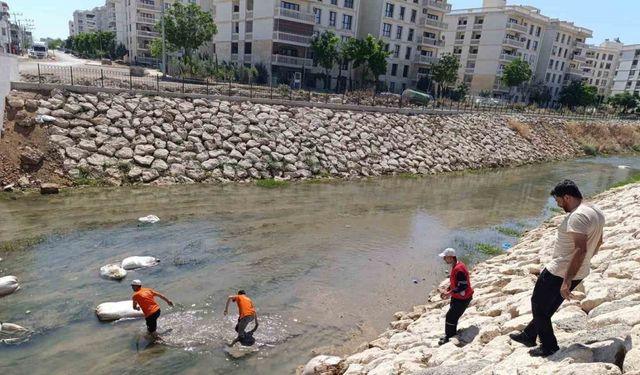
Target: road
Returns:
[30, 66]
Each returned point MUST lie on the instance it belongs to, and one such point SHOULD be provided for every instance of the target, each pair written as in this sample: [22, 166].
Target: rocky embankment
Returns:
[599, 333]
[129, 138]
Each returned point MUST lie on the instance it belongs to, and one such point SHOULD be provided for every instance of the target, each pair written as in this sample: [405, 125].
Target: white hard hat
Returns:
[448, 252]
[136, 283]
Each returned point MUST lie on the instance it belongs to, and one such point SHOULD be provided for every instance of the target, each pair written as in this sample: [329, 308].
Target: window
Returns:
[292, 6]
[557, 37]
[332, 18]
[535, 45]
[562, 66]
[334, 2]
[551, 64]
[386, 30]
[554, 50]
[392, 86]
[402, 10]
[346, 22]
[399, 32]
[556, 65]
[531, 30]
[394, 69]
[610, 57]
[414, 14]
[478, 20]
[407, 54]
[235, 27]
[234, 47]
[247, 48]
[597, 82]
[348, 4]
[547, 77]
[538, 30]
[388, 10]
[563, 38]
[559, 78]
[553, 77]
[410, 35]
[317, 14]
[236, 8]
[396, 51]
[565, 53]
[608, 66]
[528, 43]
[405, 71]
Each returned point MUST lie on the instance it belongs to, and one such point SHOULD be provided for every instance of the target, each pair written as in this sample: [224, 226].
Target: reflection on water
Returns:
[325, 264]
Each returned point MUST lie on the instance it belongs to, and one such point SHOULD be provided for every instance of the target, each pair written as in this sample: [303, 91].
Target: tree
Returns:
[55, 43]
[445, 71]
[624, 101]
[155, 48]
[187, 27]
[516, 73]
[539, 93]
[120, 51]
[360, 51]
[378, 60]
[325, 51]
[577, 94]
[459, 93]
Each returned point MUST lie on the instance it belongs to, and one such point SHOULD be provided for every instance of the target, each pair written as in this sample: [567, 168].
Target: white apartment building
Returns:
[278, 33]
[85, 21]
[413, 31]
[601, 65]
[627, 78]
[563, 57]
[5, 29]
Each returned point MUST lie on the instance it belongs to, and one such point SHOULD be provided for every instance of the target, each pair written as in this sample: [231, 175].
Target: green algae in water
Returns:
[271, 183]
[509, 231]
[488, 249]
[21, 244]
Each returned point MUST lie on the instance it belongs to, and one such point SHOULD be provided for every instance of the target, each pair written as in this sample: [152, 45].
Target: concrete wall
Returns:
[8, 73]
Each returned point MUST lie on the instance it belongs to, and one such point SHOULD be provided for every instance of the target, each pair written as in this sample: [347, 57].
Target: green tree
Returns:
[445, 72]
[539, 93]
[346, 55]
[361, 51]
[155, 48]
[459, 93]
[378, 60]
[325, 51]
[55, 43]
[577, 93]
[120, 51]
[187, 27]
[624, 101]
[516, 73]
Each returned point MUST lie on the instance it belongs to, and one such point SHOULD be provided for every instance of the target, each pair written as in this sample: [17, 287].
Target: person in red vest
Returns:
[459, 290]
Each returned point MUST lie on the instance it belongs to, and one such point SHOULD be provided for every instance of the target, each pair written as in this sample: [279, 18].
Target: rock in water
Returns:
[10, 328]
[113, 271]
[49, 188]
[150, 219]
[110, 311]
[323, 364]
[8, 285]
[131, 263]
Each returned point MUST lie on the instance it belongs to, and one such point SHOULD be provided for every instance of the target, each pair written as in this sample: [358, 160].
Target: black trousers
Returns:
[152, 321]
[456, 309]
[545, 301]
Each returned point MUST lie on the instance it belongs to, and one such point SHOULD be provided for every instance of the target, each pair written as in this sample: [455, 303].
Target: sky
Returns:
[607, 19]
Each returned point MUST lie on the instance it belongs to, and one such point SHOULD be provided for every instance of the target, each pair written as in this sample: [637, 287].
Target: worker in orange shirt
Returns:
[247, 315]
[144, 298]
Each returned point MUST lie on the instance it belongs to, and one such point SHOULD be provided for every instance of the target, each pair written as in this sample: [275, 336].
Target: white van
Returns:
[39, 51]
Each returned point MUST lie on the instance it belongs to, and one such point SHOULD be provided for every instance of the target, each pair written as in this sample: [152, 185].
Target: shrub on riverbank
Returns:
[630, 180]
[603, 138]
[21, 244]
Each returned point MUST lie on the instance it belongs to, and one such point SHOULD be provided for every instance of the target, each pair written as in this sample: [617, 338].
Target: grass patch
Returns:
[630, 180]
[590, 150]
[21, 244]
[271, 183]
[85, 178]
[407, 176]
[519, 127]
[320, 180]
[557, 210]
[509, 231]
[488, 249]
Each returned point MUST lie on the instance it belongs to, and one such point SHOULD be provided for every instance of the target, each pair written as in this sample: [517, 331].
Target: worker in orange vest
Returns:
[247, 315]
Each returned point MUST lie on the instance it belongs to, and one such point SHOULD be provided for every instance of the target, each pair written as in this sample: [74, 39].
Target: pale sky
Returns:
[607, 19]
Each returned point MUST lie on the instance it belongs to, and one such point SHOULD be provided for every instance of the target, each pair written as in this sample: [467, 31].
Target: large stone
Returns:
[76, 153]
[62, 141]
[149, 175]
[49, 188]
[124, 153]
[159, 165]
[143, 160]
[113, 114]
[30, 157]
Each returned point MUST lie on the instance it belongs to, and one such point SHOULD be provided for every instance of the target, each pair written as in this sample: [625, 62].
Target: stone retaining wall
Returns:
[126, 138]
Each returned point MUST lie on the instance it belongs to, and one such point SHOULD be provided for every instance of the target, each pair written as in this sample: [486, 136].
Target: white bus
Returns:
[39, 51]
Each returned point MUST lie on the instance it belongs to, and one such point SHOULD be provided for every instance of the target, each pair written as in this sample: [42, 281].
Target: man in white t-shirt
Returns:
[579, 238]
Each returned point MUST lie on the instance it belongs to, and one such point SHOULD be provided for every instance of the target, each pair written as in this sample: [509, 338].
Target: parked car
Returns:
[39, 51]
[487, 102]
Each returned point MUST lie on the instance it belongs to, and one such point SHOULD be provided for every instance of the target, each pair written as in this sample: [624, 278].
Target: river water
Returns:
[325, 264]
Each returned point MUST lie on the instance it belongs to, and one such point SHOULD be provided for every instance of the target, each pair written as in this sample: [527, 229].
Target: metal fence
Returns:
[113, 77]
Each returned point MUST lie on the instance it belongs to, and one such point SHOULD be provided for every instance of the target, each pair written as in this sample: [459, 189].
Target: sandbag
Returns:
[10, 328]
[323, 364]
[110, 311]
[131, 263]
[149, 219]
[113, 271]
[8, 285]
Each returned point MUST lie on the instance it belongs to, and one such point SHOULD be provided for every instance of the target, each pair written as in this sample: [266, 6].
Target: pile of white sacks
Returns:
[598, 334]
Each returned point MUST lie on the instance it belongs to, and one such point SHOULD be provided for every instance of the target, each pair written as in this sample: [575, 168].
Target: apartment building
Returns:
[601, 65]
[5, 30]
[564, 56]
[413, 32]
[85, 21]
[627, 78]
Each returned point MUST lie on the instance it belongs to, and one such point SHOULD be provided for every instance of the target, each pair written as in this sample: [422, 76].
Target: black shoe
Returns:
[541, 352]
[443, 341]
[523, 339]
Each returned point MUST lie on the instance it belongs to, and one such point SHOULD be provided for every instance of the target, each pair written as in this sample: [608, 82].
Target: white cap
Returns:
[136, 283]
[448, 252]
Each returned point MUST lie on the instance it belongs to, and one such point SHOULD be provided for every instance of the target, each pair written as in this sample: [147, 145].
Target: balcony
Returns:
[576, 72]
[507, 57]
[248, 35]
[142, 5]
[235, 36]
[235, 16]
[462, 27]
[472, 56]
[290, 38]
[459, 41]
[580, 45]
[433, 23]
[290, 61]
[247, 58]
[516, 27]
[499, 72]
[249, 14]
[429, 60]
[430, 41]
[147, 34]
[513, 43]
[475, 41]
[235, 57]
[477, 26]
[147, 20]
[579, 58]
[440, 5]
[295, 15]
[469, 70]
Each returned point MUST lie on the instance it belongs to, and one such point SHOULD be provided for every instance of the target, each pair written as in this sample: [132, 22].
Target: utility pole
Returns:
[164, 52]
